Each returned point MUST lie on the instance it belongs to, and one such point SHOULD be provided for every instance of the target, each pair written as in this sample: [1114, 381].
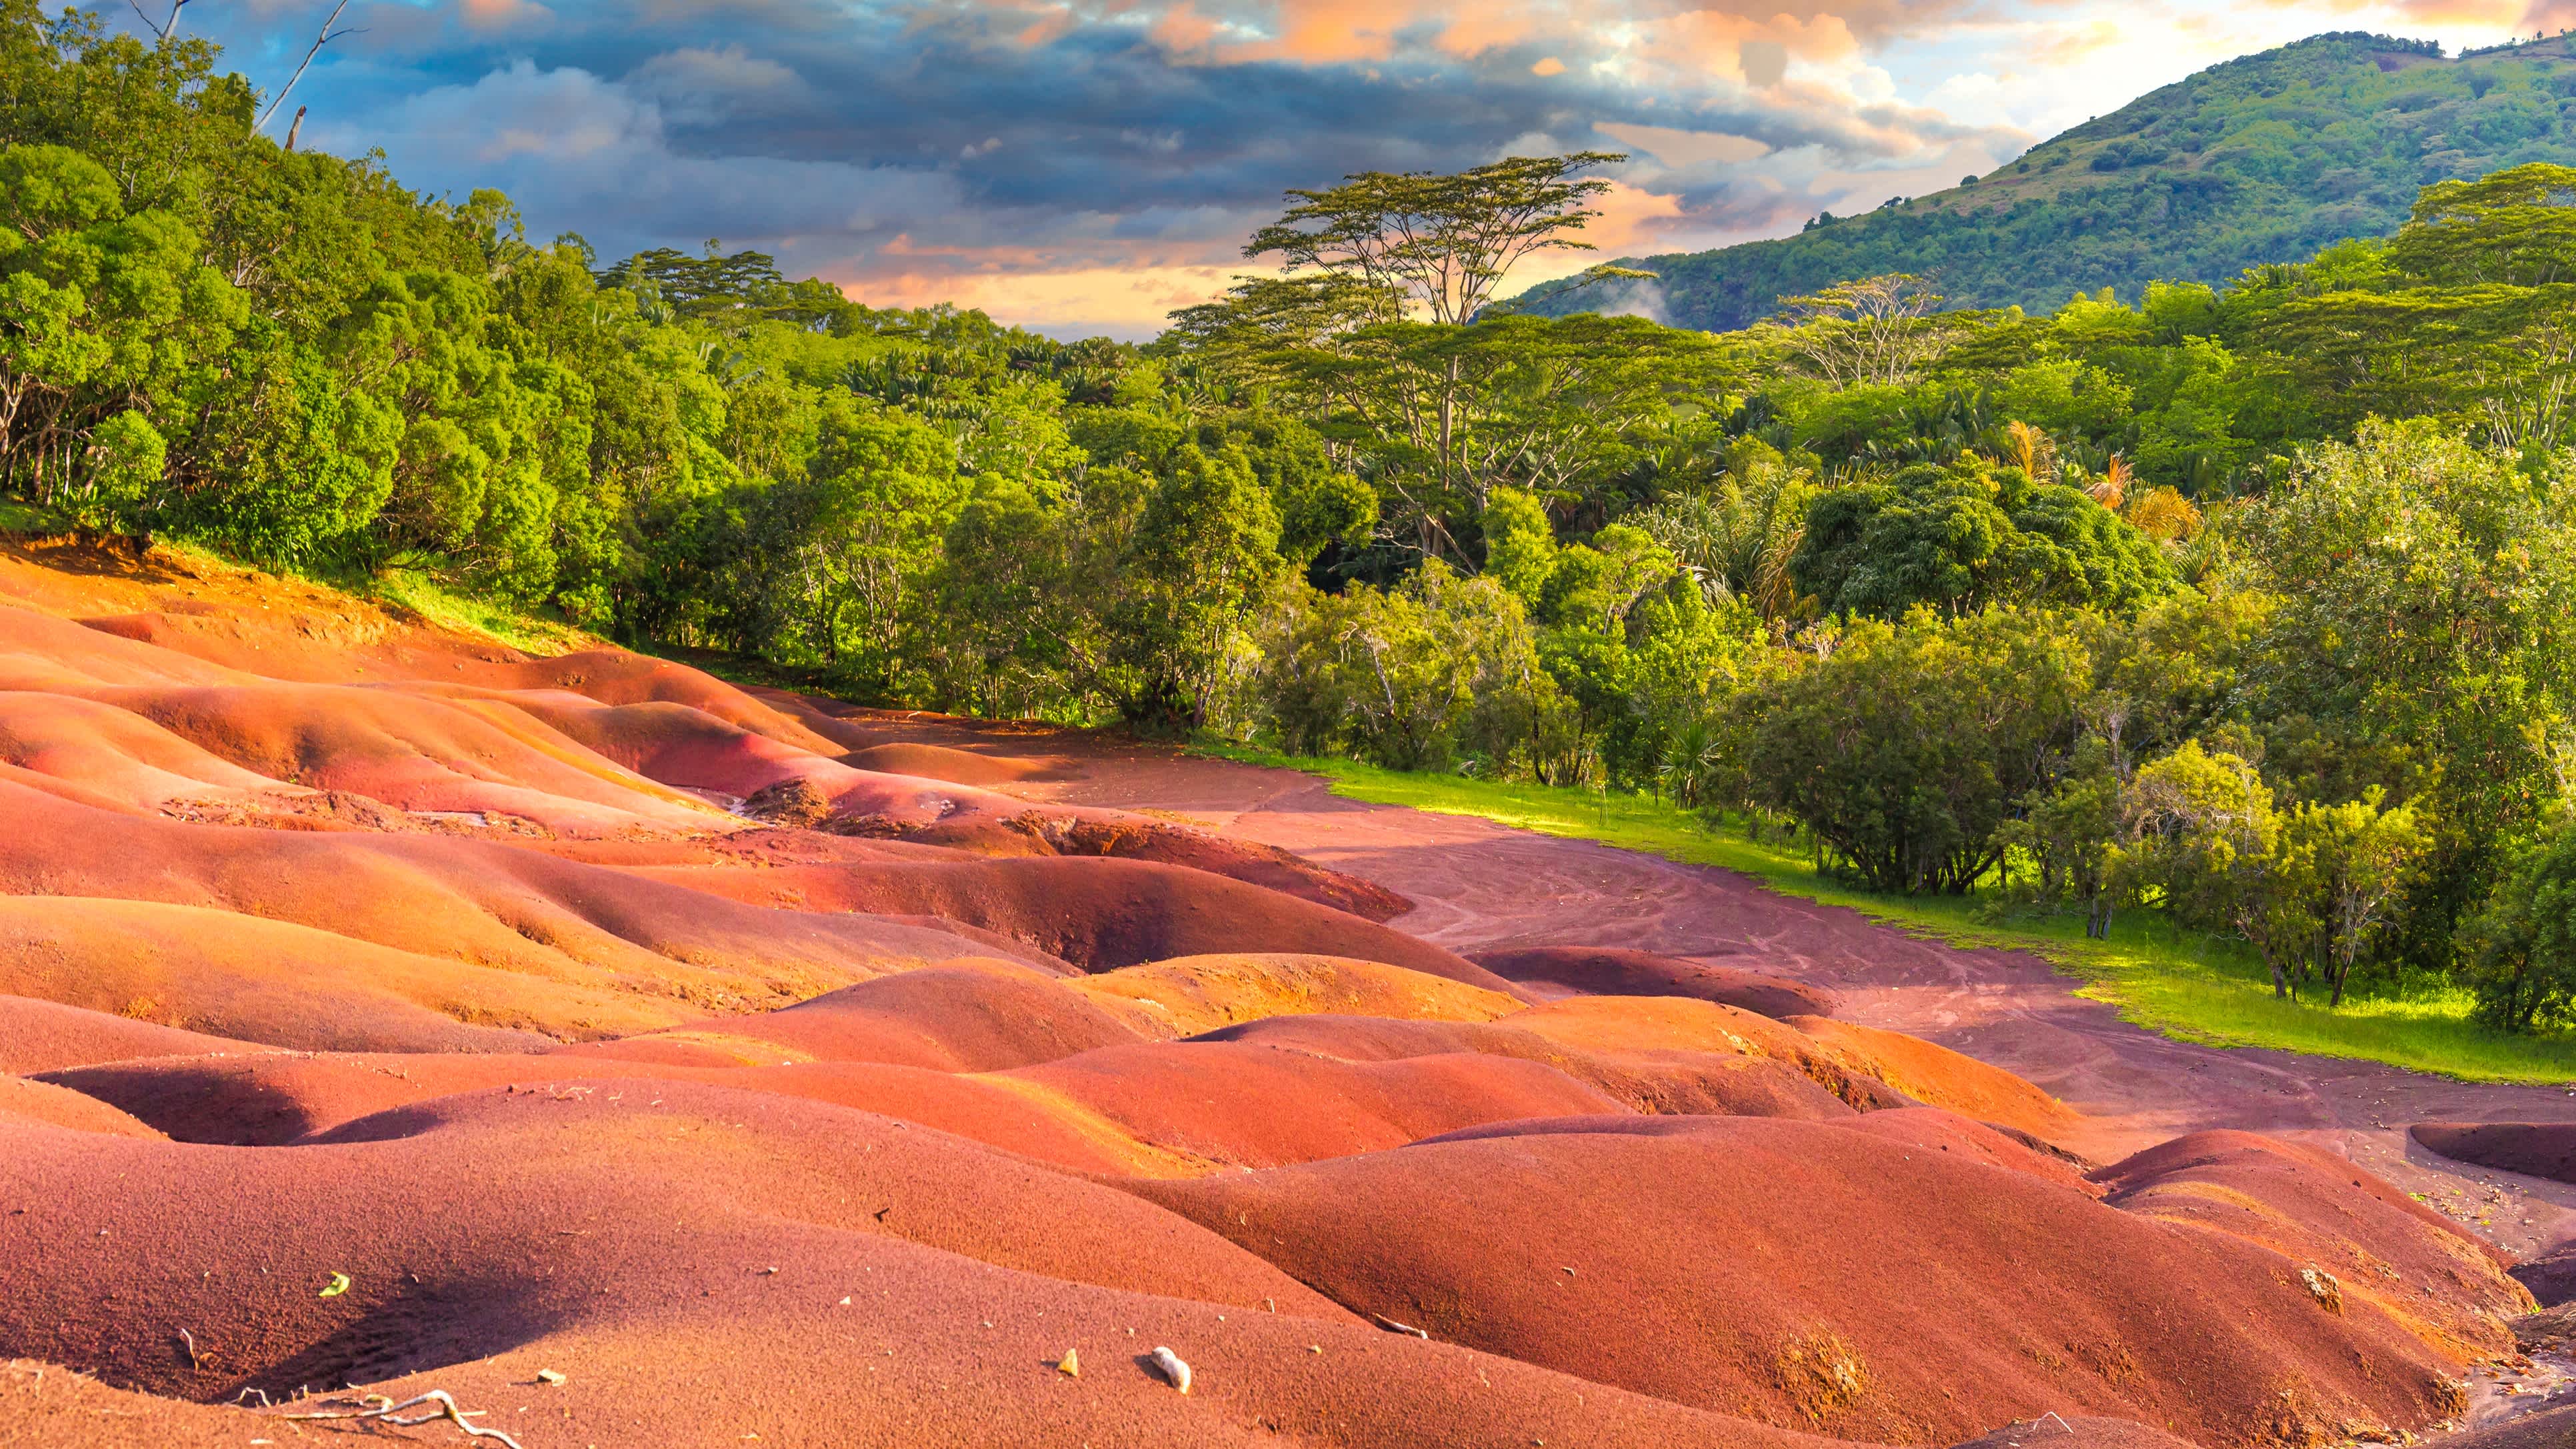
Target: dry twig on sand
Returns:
[383, 1410]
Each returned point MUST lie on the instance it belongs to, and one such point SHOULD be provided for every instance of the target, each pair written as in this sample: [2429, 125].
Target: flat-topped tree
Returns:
[2516, 227]
[1441, 243]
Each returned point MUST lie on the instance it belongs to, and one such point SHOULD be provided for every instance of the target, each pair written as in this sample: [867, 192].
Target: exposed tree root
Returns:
[384, 1410]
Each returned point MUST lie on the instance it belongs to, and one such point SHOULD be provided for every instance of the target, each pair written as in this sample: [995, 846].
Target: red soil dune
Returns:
[2551, 1277]
[1099, 914]
[1177, 1109]
[1807, 1274]
[276, 1100]
[687, 748]
[1241, 1104]
[1608, 971]
[41, 652]
[112, 754]
[1130, 839]
[1927, 1128]
[2380, 1245]
[677, 744]
[1931, 1073]
[2060, 1431]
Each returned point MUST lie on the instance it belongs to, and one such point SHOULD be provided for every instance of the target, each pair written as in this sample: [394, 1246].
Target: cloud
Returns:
[582, 153]
[1096, 162]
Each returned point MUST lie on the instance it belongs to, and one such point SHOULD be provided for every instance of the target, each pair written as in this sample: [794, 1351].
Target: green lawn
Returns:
[2189, 987]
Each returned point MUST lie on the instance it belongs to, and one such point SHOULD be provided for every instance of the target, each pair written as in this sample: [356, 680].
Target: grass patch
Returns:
[417, 593]
[25, 519]
[2191, 987]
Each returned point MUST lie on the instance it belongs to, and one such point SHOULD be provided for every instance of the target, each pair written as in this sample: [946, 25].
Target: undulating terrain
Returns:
[642, 1061]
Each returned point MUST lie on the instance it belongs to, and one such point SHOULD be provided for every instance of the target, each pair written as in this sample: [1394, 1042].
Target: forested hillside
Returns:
[2266, 158]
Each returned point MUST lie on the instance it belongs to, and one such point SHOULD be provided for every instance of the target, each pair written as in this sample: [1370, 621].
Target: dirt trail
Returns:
[1476, 885]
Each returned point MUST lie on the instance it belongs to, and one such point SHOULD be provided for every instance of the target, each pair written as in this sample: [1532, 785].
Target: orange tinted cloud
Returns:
[1130, 301]
[502, 14]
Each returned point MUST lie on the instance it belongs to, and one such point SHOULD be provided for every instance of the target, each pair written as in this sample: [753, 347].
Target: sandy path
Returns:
[1477, 884]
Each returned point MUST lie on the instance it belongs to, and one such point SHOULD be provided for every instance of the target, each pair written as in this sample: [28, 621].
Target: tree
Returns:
[1958, 539]
[2203, 837]
[1205, 555]
[2071, 832]
[2523, 962]
[1450, 409]
[104, 314]
[2424, 642]
[2356, 858]
[1908, 746]
[1442, 243]
[1439, 670]
[1737, 535]
[2516, 226]
[1873, 332]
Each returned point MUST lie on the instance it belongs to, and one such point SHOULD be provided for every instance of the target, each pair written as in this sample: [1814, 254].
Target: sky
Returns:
[1084, 167]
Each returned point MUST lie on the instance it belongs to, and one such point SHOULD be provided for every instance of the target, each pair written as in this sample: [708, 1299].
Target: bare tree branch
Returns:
[325, 37]
[166, 29]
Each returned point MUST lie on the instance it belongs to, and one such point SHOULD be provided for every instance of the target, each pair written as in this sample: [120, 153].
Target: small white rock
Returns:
[1172, 1368]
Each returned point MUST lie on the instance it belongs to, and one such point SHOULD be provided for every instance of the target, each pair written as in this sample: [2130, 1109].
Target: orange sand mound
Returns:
[1676, 1081]
[25, 1101]
[1191, 995]
[970, 1016]
[1810, 1274]
[1247, 1105]
[44, 1036]
[1932, 1073]
[963, 767]
[1609, 971]
[257, 980]
[471, 900]
[416, 751]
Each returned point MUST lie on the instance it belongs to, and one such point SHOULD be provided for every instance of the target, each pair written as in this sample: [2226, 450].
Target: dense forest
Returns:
[2267, 158]
[2251, 605]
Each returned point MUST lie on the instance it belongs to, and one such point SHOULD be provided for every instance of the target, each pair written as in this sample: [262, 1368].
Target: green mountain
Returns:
[2263, 159]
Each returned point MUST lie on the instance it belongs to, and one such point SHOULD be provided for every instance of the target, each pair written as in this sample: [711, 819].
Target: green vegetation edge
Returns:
[2186, 987]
